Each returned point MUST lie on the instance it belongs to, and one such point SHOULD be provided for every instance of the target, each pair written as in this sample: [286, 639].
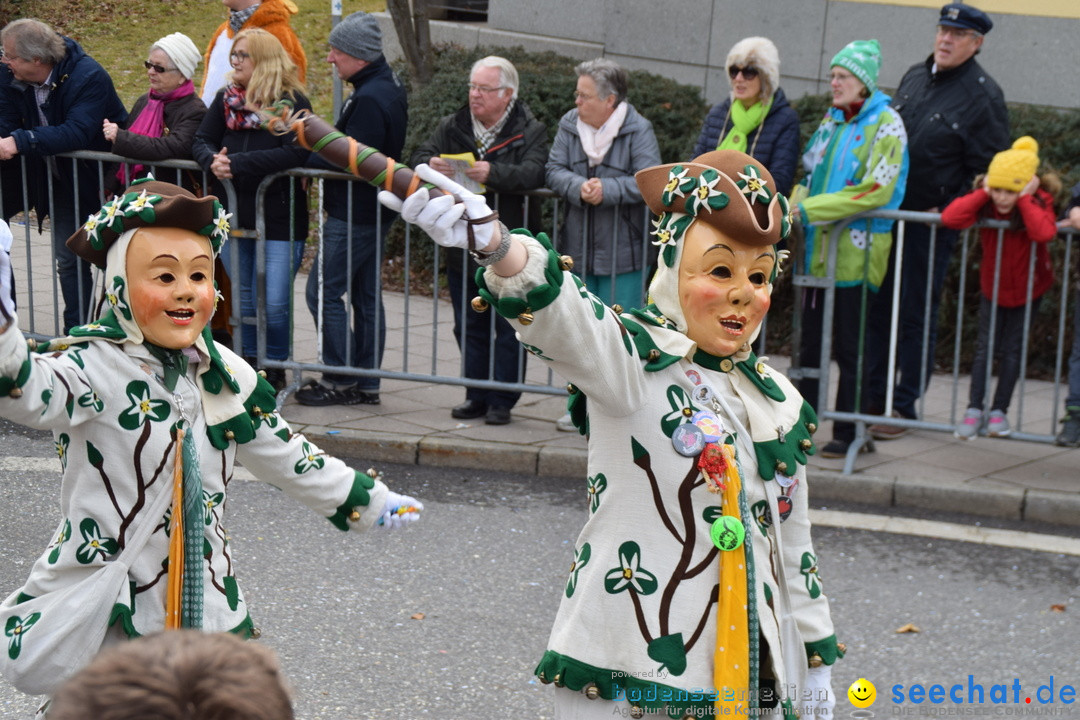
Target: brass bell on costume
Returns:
[637, 711]
[526, 317]
[816, 661]
[566, 262]
[479, 304]
[592, 692]
[805, 444]
[15, 392]
[230, 435]
[654, 354]
[781, 466]
[617, 308]
[812, 427]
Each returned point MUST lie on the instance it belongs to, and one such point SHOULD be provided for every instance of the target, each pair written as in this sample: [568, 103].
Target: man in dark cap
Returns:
[349, 259]
[956, 121]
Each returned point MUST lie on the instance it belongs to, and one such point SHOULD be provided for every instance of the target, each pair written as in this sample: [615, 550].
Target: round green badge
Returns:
[727, 533]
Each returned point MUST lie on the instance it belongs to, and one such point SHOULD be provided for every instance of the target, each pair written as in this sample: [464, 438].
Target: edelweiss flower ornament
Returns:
[725, 188]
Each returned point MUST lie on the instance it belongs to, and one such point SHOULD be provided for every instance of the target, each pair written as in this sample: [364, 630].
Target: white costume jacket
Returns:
[638, 616]
[115, 422]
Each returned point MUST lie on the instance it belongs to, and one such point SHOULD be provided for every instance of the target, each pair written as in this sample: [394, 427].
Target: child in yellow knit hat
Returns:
[1010, 191]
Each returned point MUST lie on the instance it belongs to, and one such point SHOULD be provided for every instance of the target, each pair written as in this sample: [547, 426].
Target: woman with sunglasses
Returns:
[756, 119]
[163, 121]
[231, 144]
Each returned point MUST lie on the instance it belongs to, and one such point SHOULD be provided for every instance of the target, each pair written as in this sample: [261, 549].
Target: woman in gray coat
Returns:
[598, 148]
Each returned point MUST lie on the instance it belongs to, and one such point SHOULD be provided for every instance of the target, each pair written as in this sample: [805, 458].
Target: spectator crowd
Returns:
[917, 149]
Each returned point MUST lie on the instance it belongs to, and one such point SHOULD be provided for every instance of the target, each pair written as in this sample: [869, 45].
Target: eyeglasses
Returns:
[583, 96]
[484, 89]
[238, 56]
[958, 33]
[159, 69]
[749, 72]
[8, 58]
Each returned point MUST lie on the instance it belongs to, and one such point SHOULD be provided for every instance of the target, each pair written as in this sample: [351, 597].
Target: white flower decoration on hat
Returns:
[754, 187]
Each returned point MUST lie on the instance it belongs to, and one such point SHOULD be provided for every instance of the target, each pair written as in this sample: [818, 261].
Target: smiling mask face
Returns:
[723, 288]
[170, 274]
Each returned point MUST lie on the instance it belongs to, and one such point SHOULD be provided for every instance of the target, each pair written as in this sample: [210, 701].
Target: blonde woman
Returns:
[231, 144]
[755, 118]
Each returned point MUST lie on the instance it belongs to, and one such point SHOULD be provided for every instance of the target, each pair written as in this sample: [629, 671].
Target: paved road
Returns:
[486, 566]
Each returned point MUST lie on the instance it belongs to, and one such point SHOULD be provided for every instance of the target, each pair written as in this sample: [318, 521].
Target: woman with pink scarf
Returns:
[162, 122]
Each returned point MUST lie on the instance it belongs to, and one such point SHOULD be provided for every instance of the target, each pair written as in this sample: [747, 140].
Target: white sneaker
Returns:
[565, 424]
[969, 426]
[998, 426]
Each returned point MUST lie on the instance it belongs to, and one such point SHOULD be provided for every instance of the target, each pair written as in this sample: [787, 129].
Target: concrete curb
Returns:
[996, 501]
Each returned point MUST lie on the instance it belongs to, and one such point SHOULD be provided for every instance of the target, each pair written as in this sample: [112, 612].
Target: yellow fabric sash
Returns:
[731, 660]
[176, 540]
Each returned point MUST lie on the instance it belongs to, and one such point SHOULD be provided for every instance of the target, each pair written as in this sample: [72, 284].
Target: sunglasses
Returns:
[749, 72]
[159, 69]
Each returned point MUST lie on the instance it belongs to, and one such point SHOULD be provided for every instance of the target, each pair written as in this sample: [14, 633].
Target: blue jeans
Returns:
[351, 268]
[911, 356]
[1073, 399]
[490, 352]
[76, 285]
[282, 261]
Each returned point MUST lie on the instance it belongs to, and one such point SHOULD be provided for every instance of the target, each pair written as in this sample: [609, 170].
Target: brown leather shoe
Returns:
[881, 431]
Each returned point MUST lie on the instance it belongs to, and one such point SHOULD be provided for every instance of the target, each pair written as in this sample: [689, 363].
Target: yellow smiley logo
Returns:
[862, 693]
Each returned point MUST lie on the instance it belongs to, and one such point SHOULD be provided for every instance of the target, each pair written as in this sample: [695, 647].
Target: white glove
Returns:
[399, 510]
[442, 217]
[820, 699]
[7, 303]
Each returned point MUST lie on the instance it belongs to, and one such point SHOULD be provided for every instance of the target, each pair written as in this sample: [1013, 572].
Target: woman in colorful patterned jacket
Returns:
[143, 402]
[694, 586]
[855, 161]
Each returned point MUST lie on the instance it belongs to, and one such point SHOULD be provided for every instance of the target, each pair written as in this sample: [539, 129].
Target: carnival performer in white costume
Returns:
[142, 403]
[693, 588]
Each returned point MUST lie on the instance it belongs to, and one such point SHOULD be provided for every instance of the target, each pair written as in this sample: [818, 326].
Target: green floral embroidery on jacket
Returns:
[94, 544]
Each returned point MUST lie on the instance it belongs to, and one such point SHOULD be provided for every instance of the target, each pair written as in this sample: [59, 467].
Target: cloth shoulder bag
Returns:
[52, 636]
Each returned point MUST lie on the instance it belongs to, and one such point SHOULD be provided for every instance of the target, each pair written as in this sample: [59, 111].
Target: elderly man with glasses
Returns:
[53, 99]
[506, 150]
[956, 121]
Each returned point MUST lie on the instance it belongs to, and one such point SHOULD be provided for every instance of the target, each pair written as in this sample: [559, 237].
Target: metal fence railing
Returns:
[420, 343]
[1040, 429]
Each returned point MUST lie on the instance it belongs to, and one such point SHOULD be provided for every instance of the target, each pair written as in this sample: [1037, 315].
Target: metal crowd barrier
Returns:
[1034, 430]
[421, 352]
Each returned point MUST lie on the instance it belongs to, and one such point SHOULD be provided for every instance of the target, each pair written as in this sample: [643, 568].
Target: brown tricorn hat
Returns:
[727, 189]
[148, 202]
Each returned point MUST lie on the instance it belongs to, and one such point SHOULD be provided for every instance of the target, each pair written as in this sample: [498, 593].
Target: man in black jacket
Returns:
[507, 149]
[956, 121]
[53, 99]
[350, 257]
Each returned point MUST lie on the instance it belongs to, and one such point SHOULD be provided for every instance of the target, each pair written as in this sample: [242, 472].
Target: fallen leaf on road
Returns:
[909, 628]
[417, 616]
[1057, 608]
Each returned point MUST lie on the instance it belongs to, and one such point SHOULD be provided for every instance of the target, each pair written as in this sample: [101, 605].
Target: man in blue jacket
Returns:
[53, 99]
[349, 260]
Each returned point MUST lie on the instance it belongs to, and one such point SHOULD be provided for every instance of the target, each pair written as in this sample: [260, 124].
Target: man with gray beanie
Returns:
[350, 256]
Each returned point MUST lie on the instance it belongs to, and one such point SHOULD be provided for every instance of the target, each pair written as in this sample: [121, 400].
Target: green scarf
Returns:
[743, 122]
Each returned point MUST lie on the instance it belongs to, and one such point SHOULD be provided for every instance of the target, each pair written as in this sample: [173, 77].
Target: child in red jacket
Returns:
[1010, 191]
